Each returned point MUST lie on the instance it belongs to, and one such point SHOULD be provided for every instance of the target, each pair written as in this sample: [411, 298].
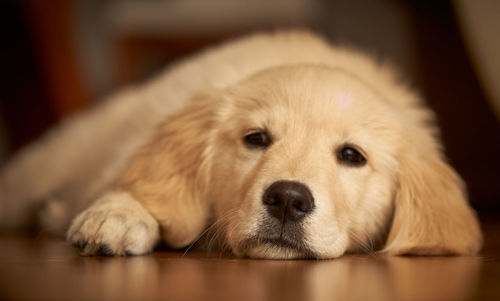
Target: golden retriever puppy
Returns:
[273, 146]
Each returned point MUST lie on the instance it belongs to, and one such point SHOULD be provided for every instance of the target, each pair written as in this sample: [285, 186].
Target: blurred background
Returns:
[60, 56]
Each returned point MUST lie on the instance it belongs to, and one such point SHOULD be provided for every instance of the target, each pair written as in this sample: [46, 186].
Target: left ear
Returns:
[431, 214]
[170, 175]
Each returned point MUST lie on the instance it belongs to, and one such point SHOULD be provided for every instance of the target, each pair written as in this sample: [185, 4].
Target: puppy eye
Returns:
[258, 139]
[351, 156]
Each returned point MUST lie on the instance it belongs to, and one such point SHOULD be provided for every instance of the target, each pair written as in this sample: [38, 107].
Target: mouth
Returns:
[275, 248]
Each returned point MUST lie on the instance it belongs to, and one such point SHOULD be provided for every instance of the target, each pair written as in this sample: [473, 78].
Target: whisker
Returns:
[210, 229]
[366, 246]
[220, 228]
[196, 240]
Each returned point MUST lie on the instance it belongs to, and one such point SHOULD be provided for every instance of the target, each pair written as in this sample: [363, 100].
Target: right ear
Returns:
[170, 175]
[432, 215]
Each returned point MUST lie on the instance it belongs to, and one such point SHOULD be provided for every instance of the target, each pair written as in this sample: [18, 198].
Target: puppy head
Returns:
[305, 161]
[311, 161]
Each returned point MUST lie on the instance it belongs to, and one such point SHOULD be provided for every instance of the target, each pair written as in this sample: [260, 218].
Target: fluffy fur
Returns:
[167, 160]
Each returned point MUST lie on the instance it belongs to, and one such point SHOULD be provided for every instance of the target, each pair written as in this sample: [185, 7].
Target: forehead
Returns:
[310, 96]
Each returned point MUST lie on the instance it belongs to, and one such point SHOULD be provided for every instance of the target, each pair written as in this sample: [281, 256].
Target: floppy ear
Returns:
[431, 214]
[171, 174]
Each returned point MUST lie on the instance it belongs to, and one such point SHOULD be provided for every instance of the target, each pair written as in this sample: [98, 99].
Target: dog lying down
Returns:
[271, 146]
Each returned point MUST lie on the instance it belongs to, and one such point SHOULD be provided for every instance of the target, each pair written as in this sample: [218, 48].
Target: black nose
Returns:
[288, 201]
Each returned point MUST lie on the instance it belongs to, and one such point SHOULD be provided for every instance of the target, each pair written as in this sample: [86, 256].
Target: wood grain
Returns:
[46, 268]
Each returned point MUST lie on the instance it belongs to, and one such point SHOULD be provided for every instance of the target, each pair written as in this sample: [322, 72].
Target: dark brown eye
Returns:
[350, 156]
[258, 139]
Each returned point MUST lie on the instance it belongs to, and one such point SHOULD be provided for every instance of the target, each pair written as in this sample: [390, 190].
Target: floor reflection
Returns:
[53, 270]
[394, 278]
[347, 278]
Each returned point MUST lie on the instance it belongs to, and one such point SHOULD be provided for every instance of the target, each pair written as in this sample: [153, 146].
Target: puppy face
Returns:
[304, 165]
[305, 161]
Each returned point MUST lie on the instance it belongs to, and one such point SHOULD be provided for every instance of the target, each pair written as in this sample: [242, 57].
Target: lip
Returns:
[251, 247]
[282, 243]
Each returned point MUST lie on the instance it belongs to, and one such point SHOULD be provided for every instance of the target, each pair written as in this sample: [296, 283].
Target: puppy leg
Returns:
[116, 224]
[165, 185]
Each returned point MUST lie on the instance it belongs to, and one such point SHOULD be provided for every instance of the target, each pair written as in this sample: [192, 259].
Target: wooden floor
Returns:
[46, 268]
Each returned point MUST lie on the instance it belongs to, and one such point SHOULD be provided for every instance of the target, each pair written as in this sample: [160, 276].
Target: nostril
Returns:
[286, 200]
[299, 204]
[272, 200]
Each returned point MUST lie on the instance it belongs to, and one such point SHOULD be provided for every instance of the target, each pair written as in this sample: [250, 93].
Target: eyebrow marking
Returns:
[344, 100]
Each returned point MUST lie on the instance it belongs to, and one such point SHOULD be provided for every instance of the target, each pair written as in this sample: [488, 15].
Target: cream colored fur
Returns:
[167, 158]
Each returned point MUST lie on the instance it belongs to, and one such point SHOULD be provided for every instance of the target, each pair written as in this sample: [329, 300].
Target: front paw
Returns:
[115, 225]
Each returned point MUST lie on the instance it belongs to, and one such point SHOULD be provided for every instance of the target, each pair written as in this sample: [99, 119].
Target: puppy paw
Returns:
[115, 225]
